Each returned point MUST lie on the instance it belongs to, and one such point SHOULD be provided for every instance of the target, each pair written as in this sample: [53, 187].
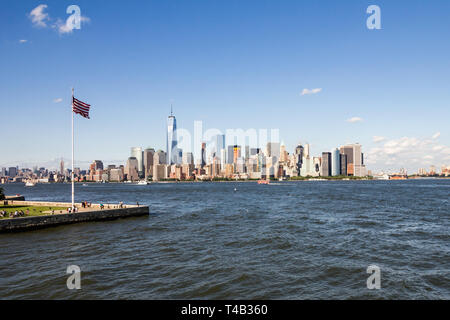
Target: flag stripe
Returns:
[75, 99]
[80, 107]
[80, 102]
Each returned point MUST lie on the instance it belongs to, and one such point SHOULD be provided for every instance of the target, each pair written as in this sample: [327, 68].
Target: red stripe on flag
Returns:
[80, 107]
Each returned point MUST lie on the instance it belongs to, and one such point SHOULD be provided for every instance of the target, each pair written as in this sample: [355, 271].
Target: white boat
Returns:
[29, 184]
[142, 183]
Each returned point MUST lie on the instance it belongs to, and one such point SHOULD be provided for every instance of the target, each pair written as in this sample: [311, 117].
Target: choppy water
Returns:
[289, 240]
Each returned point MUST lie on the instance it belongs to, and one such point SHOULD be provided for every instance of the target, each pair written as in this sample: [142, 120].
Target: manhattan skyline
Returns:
[317, 74]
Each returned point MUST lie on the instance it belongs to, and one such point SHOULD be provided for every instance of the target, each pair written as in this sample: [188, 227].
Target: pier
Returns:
[62, 217]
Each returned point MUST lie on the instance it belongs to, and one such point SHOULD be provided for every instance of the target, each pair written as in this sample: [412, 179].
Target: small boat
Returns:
[29, 184]
[142, 183]
[85, 184]
[263, 181]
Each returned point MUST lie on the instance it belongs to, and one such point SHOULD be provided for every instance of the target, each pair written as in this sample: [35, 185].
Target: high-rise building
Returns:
[359, 170]
[306, 151]
[283, 153]
[12, 172]
[223, 157]
[233, 153]
[116, 175]
[254, 151]
[171, 142]
[188, 158]
[131, 169]
[335, 162]
[159, 157]
[203, 159]
[97, 165]
[355, 162]
[273, 150]
[343, 164]
[136, 152]
[148, 161]
[326, 164]
[348, 152]
[236, 153]
[61, 166]
[218, 144]
[299, 151]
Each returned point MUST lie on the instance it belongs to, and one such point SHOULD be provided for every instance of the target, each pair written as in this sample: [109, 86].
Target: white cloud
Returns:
[38, 16]
[354, 119]
[23, 41]
[436, 135]
[68, 26]
[377, 139]
[407, 152]
[310, 91]
[57, 100]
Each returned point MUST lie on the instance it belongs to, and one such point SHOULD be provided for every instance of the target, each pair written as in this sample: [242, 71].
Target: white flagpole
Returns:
[73, 182]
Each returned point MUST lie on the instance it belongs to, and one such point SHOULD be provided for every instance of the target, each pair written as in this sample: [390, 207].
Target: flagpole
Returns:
[73, 182]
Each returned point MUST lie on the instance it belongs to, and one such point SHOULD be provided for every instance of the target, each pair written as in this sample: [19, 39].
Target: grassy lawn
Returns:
[32, 210]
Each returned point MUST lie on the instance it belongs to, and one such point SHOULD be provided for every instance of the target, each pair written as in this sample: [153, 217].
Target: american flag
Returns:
[80, 107]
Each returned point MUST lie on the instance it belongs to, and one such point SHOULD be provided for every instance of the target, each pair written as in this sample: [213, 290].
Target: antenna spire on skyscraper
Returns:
[171, 110]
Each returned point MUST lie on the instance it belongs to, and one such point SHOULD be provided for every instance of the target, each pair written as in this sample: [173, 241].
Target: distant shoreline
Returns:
[244, 180]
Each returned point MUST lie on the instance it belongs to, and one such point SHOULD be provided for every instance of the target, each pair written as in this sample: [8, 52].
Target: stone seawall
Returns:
[39, 222]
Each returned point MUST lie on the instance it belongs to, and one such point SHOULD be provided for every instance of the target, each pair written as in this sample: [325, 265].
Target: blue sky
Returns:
[231, 64]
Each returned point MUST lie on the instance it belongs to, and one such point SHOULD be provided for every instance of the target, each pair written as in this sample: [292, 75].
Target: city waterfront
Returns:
[236, 240]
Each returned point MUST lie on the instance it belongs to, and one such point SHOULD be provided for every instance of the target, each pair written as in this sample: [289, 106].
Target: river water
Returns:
[286, 240]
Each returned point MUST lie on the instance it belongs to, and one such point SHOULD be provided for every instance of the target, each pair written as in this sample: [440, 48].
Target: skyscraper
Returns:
[188, 158]
[343, 164]
[335, 162]
[348, 152]
[355, 165]
[131, 169]
[171, 142]
[136, 152]
[218, 145]
[159, 157]
[326, 164]
[299, 158]
[61, 166]
[233, 153]
[358, 165]
[148, 162]
[273, 150]
[203, 160]
[12, 172]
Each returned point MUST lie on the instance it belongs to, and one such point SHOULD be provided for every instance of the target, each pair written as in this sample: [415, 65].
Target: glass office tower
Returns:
[171, 143]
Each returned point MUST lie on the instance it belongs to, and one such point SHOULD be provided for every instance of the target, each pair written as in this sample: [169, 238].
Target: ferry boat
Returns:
[262, 181]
